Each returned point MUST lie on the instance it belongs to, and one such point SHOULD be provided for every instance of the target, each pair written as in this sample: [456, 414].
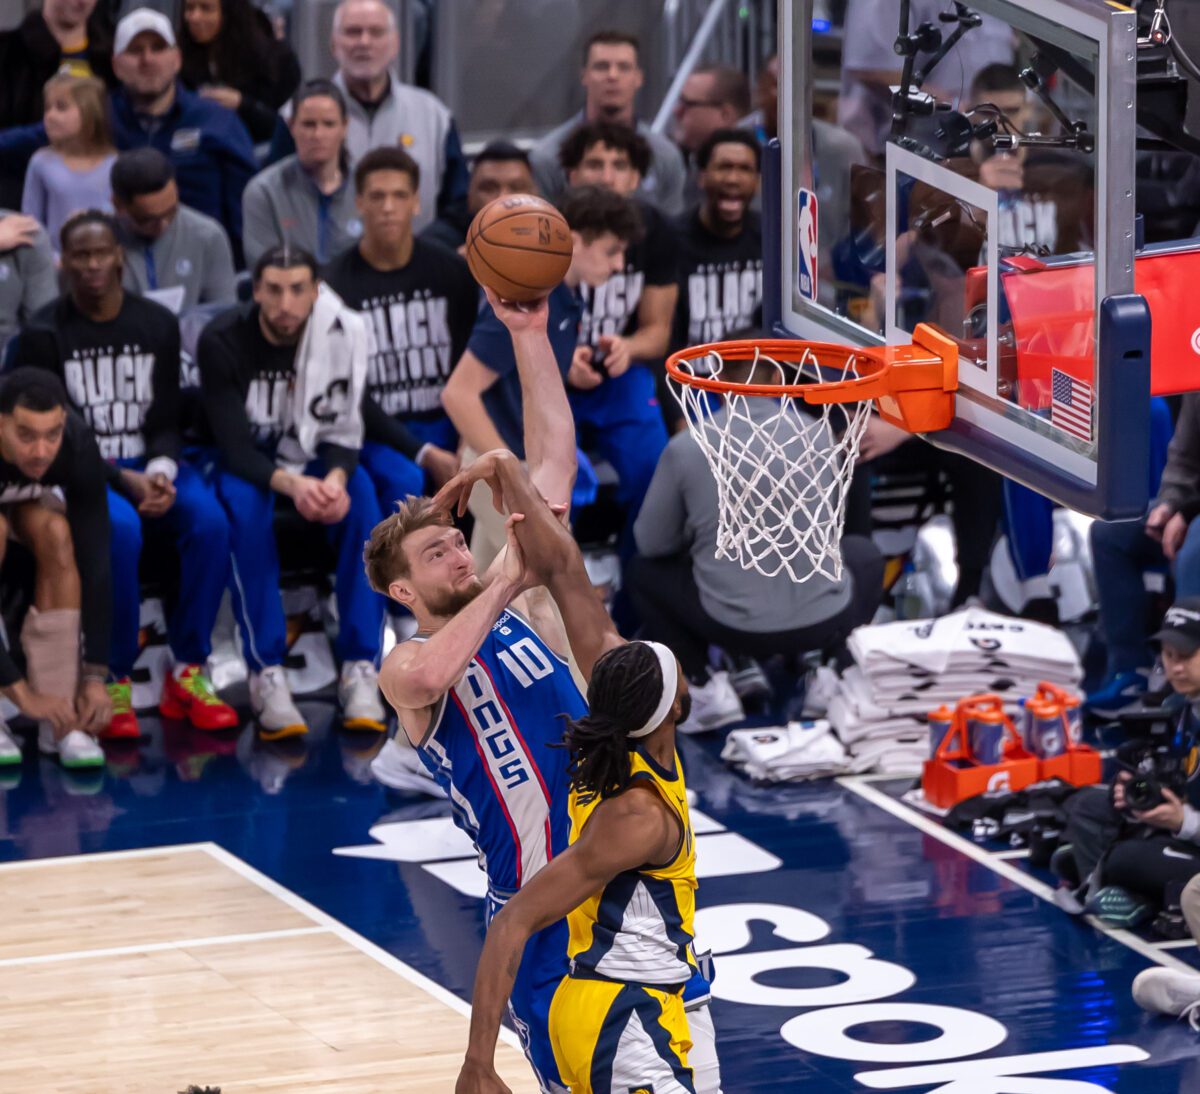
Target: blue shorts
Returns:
[542, 970]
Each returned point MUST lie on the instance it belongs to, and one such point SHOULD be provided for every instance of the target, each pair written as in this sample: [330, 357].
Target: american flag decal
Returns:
[1071, 405]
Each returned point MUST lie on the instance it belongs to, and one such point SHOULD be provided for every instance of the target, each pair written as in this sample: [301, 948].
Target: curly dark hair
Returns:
[625, 688]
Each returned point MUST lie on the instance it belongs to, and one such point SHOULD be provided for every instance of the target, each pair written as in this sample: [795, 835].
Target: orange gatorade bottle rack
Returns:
[1077, 763]
[953, 773]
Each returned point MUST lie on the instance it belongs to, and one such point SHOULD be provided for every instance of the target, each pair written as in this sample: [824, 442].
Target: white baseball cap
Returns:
[139, 20]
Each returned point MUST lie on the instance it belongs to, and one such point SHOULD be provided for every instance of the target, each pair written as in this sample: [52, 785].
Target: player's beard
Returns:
[453, 601]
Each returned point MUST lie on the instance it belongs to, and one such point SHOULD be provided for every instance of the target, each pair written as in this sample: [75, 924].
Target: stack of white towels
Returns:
[904, 670]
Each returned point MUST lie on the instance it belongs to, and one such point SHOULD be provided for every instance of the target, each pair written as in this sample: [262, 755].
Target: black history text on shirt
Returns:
[410, 352]
[113, 386]
[722, 297]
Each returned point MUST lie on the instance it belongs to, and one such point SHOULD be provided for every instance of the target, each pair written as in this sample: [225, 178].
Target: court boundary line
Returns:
[284, 895]
[350, 936]
[159, 947]
[1002, 867]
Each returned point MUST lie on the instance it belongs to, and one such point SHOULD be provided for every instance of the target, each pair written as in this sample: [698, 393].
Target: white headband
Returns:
[670, 675]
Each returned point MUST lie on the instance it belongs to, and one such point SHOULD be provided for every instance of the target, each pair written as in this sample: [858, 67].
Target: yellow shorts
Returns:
[613, 1038]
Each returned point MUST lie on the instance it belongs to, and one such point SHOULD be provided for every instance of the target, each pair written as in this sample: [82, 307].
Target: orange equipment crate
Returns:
[952, 775]
[1080, 764]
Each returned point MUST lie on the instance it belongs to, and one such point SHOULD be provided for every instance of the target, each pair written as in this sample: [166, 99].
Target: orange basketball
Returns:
[519, 247]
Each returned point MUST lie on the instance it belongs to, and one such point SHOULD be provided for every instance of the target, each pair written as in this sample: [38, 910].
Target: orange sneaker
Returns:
[124, 723]
[191, 695]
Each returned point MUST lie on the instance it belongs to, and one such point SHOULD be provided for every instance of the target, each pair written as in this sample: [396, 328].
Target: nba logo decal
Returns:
[806, 246]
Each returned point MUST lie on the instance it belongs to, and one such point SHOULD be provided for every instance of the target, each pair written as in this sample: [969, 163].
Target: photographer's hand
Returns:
[1168, 816]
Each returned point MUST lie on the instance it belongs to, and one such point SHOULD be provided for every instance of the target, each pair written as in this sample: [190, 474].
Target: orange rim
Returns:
[875, 364]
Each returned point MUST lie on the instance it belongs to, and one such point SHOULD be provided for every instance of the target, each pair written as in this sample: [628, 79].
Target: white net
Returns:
[782, 466]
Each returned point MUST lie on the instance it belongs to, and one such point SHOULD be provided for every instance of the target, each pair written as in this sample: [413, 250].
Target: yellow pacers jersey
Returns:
[639, 928]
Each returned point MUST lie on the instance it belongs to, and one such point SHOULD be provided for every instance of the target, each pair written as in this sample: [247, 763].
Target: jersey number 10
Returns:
[525, 661]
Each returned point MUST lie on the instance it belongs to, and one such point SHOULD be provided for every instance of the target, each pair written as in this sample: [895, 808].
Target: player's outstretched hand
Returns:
[519, 318]
[453, 497]
[477, 1078]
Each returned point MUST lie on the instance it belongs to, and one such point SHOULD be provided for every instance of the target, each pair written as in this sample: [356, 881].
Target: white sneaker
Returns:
[76, 749]
[358, 694]
[271, 701]
[399, 767]
[10, 751]
[1166, 991]
[714, 704]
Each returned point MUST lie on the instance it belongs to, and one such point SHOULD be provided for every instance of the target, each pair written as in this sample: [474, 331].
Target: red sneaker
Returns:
[191, 696]
[124, 723]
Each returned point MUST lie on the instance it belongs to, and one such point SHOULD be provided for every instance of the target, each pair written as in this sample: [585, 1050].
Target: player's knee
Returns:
[52, 544]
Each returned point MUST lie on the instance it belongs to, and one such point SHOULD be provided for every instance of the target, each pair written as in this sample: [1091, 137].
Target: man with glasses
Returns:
[611, 78]
[173, 254]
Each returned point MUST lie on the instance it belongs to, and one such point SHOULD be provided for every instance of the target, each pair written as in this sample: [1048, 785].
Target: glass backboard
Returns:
[971, 166]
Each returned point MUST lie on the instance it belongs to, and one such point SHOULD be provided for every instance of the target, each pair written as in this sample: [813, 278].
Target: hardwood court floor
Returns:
[152, 970]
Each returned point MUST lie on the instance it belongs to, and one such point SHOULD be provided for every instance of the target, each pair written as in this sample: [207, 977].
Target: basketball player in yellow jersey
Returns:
[627, 887]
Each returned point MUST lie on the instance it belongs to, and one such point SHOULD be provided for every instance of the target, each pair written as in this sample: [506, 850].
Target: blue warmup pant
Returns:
[255, 571]
[1121, 554]
[621, 419]
[395, 476]
[197, 524]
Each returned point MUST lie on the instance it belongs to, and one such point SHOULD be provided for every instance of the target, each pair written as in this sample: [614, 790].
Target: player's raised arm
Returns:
[623, 833]
[548, 423]
[551, 556]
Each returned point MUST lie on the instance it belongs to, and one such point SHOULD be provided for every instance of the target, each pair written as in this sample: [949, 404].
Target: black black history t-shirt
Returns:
[419, 319]
[720, 281]
[121, 375]
[652, 260]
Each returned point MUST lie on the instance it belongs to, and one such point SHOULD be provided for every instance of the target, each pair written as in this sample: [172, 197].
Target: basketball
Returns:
[519, 246]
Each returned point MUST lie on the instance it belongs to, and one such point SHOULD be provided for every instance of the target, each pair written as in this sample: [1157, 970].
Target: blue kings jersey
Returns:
[491, 746]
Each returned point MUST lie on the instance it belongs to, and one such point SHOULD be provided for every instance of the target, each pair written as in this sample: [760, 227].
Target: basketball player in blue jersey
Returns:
[482, 689]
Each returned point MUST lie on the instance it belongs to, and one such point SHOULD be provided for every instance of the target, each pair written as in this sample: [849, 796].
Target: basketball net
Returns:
[782, 466]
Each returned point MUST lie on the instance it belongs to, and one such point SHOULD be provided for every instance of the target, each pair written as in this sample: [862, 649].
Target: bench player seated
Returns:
[282, 382]
[48, 457]
[118, 355]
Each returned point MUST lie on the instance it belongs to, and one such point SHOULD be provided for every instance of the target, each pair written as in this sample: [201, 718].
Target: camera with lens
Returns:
[1156, 754]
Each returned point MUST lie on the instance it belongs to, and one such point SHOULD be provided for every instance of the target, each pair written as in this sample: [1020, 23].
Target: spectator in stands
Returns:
[384, 111]
[420, 303]
[282, 380]
[1122, 862]
[47, 452]
[611, 77]
[209, 147]
[720, 243]
[306, 201]
[27, 275]
[231, 56]
[713, 97]
[690, 599]
[172, 253]
[1122, 553]
[483, 395]
[76, 34]
[72, 173]
[626, 323]
[118, 356]
[500, 169]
